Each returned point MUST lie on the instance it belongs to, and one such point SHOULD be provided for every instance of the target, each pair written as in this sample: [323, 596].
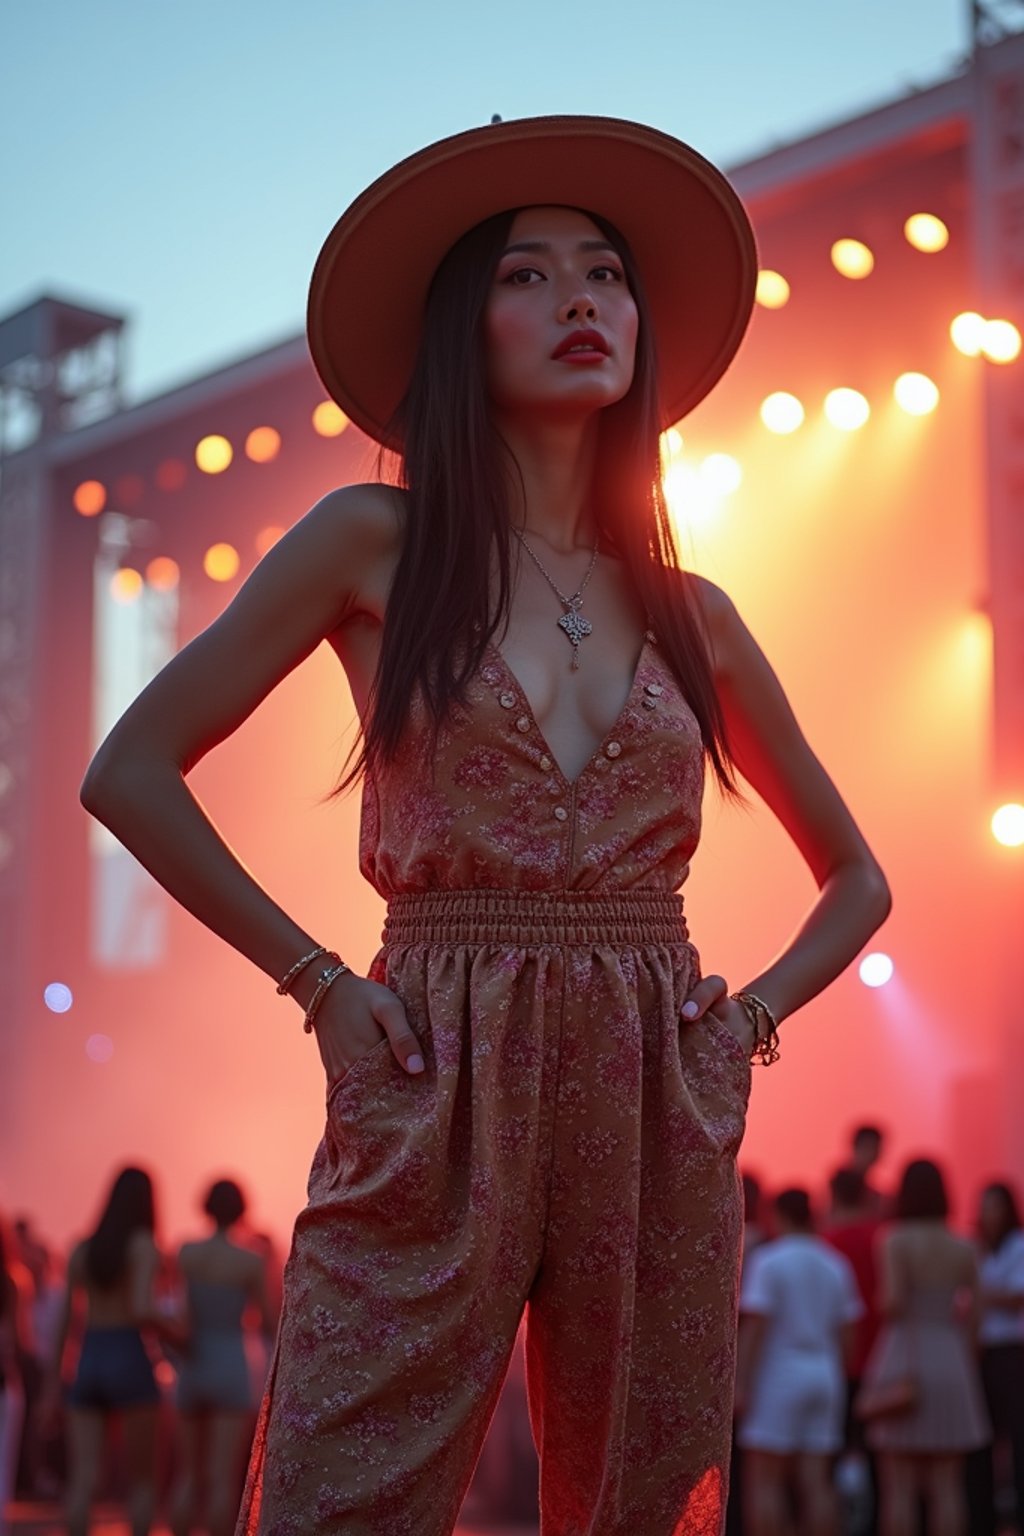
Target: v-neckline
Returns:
[609, 734]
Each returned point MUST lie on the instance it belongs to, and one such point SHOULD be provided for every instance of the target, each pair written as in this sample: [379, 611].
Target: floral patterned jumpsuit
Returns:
[569, 1148]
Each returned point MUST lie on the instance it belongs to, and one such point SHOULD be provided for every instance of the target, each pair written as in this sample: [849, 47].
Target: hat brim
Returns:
[688, 230]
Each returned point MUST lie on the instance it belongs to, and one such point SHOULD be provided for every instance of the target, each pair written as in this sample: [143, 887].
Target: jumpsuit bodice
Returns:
[489, 808]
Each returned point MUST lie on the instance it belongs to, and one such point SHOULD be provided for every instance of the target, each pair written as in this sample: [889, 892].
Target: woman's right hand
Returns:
[356, 1014]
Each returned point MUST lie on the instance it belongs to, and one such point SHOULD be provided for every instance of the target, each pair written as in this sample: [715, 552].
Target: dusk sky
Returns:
[182, 163]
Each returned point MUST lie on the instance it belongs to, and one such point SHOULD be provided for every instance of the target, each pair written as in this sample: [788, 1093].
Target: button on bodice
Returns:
[490, 808]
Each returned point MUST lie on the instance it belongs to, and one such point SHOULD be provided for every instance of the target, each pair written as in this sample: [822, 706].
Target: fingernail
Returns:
[689, 1010]
[415, 1063]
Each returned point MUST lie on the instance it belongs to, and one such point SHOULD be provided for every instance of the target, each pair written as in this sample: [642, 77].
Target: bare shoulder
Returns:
[369, 513]
[719, 614]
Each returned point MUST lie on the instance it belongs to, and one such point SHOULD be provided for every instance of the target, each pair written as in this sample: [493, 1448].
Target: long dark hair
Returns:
[129, 1208]
[455, 468]
[1011, 1212]
[922, 1193]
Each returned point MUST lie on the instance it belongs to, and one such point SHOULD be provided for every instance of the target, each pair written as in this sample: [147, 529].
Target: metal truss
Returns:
[994, 20]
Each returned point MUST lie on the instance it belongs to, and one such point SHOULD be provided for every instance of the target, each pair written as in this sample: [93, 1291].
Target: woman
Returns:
[1001, 1338]
[533, 1097]
[12, 1399]
[222, 1281]
[929, 1300]
[115, 1273]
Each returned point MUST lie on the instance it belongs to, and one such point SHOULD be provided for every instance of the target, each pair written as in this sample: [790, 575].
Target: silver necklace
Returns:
[576, 627]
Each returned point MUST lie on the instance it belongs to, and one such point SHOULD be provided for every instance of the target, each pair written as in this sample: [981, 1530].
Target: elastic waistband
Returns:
[535, 917]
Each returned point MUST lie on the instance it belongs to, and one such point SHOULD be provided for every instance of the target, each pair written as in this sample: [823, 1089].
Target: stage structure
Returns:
[856, 484]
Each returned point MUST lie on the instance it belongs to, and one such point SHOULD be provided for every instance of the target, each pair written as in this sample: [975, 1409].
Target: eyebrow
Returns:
[545, 245]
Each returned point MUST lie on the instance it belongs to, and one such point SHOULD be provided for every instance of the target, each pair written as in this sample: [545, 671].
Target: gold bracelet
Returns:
[766, 1042]
[285, 984]
[325, 981]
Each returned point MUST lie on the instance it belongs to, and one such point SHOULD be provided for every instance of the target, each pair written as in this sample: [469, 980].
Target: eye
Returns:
[512, 277]
[616, 272]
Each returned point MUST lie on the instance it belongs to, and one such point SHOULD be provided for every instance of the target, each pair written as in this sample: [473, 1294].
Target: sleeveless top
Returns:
[491, 809]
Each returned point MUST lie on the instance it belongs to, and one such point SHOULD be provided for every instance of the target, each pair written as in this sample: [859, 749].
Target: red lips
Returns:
[591, 339]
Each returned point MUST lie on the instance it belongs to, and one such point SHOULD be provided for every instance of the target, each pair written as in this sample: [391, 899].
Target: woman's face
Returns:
[558, 276]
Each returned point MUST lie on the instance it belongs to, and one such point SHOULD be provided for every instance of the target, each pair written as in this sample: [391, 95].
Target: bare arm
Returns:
[136, 785]
[892, 1298]
[773, 755]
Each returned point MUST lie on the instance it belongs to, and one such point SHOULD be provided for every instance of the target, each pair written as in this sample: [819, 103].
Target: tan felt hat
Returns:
[687, 227]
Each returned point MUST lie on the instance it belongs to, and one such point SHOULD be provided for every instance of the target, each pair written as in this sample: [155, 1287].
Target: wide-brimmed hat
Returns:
[686, 225]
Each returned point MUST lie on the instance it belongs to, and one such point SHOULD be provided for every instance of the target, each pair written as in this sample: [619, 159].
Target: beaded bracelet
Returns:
[766, 1043]
[325, 981]
[285, 984]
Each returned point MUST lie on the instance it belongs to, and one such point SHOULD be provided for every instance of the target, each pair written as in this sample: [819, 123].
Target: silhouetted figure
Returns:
[222, 1280]
[926, 1345]
[853, 1230]
[865, 1151]
[12, 1400]
[114, 1273]
[40, 1451]
[799, 1306]
[1001, 1341]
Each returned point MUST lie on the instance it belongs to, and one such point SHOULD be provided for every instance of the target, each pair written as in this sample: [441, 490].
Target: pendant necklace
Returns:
[572, 622]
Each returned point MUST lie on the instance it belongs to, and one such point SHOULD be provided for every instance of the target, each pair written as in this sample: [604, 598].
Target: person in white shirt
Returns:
[799, 1308]
[1001, 1350]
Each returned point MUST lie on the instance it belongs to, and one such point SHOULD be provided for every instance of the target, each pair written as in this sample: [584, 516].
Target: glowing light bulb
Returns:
[163, 574]
[967, 332]
[672, 442]
[782, 413]
[58, 997]
[916, 393]
[926, 232]
[875, 969]
[846, 409]
[721, 473]
[126, 585]
[263, 444]
[853, 259]
[214, 454]
[772, 289]
[221, 562]
[89, 498]
[1000, 341]
[329, 419]
[1008, 825]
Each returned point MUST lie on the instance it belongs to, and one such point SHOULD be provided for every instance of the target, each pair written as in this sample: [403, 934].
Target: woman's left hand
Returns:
[711, 995]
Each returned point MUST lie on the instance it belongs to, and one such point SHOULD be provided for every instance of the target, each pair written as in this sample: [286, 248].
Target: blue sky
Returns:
[181, 162]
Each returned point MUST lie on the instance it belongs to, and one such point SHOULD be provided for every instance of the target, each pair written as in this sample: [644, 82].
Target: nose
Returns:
[580, 307]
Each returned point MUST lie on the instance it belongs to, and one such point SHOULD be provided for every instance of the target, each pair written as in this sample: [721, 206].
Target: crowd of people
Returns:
[172, 1350]
[880, 1377]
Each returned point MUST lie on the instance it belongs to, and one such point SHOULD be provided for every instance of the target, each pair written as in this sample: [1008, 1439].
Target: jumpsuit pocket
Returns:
[725, 1034]
[358, 1067]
